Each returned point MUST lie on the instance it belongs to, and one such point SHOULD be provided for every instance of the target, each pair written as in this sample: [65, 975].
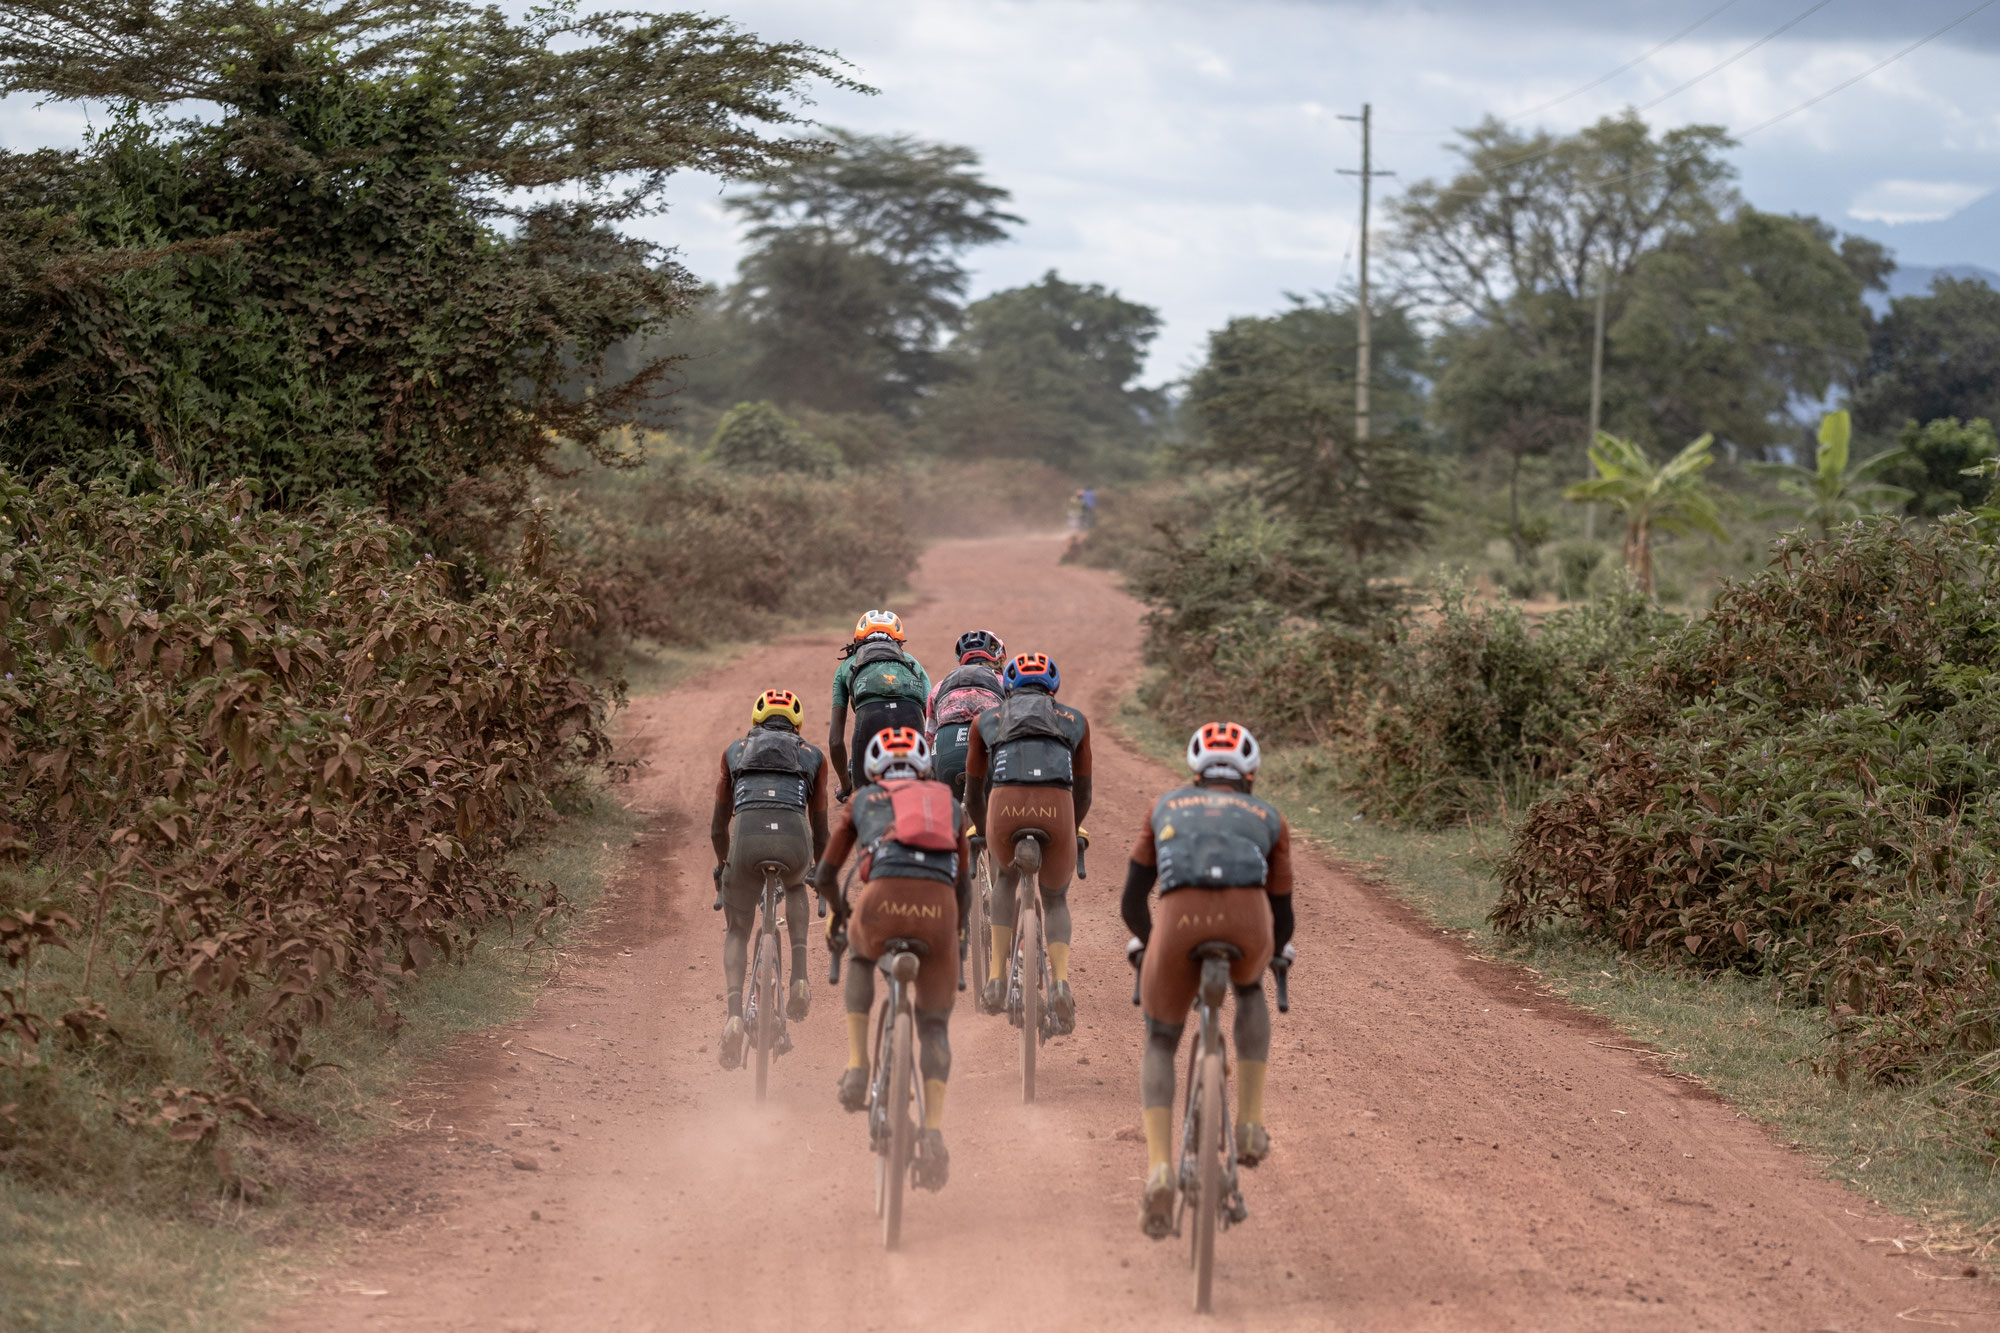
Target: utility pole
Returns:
[1596, 392]
[1367, 174]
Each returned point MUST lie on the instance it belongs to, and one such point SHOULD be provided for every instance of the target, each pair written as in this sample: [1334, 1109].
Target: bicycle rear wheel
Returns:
[1028, 930]
[1208, 1148]
[766, 991]
[902, 1134]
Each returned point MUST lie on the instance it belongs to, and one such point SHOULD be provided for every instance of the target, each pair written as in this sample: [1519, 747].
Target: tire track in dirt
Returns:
[1453, 1150]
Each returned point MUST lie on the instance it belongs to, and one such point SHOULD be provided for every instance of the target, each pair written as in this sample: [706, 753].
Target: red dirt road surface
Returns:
[1453, 1150]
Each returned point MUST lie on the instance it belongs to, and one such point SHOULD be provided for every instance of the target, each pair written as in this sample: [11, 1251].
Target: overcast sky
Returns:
[1186, 153]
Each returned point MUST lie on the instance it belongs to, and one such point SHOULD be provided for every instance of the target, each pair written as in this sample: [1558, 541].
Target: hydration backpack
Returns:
[965, 694]
[882, 671]
[1030, 745]
[771, 769]
[908, 828]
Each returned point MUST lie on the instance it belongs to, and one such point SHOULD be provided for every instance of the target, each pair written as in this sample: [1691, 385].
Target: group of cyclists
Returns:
[921, 772]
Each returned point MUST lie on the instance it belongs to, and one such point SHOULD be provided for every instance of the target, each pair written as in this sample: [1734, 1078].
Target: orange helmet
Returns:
[1224, 750]
[782, 704]
[878, 622]
[900, 752]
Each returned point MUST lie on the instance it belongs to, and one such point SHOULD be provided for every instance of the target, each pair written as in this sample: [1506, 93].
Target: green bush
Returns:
[1576, 562]
[758, 438]
[1474, 707]
[1803, 783]
[1256, 621]
[270, 764]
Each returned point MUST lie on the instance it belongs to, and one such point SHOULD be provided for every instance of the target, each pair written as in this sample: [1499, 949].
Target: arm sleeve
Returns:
[1133, 906]
[725, 808]
[1278, 870]
[827, 881]
[1281, 920]
[816, 808]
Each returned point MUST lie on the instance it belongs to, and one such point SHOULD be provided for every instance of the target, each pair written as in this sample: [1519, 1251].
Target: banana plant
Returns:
[1670, 497]
[1831, 493]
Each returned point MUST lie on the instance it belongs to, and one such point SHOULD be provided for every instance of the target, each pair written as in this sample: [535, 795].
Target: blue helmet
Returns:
[1032, 669]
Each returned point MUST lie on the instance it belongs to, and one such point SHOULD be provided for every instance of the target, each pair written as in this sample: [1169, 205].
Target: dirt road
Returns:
[1453, 1151]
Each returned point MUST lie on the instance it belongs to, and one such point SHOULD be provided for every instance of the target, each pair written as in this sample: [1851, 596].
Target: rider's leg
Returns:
[1253, 1051]
[1055, 924]
[1005, 899]
[1156, 1089]
[798, 918]
[859, 994]
[933, 1035]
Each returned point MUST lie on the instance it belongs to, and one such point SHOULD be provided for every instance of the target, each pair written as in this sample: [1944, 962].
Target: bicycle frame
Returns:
[767, 975]
[1027, 997]
[893, 1100]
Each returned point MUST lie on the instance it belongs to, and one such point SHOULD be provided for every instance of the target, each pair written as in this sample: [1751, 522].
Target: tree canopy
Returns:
[317, 246]
[854, 272]
[1934, 356]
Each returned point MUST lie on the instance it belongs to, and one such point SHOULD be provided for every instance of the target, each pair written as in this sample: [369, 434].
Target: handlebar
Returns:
[836, 945]
[1135, 954]
[1082, 845]
[1281, 972]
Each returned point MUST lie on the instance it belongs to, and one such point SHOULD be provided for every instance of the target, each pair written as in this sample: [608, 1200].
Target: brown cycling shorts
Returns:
[1012, 807]
[1184, 918]
[914, 909]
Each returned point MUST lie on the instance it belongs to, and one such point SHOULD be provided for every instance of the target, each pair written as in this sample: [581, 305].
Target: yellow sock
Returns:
[933, 1103]
[1159, 1125]
[1003, 946]
[857, 1041]
[1250, 1086]
[1058, 961]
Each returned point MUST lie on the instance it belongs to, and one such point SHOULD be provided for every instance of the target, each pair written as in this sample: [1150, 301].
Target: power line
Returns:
[1718, 67]
[1633, 63]
[1759, 128]
[1845, 84]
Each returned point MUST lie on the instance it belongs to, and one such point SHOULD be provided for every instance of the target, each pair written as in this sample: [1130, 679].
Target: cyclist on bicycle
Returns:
[1029, 767]
[912, 837]
[972, 687]
[770, 805]
[1223, 861]
[882, 683]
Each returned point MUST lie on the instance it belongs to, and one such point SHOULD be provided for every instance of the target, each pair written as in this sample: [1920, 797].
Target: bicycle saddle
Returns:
[771, 867]
[1216, 949]
[901, 945]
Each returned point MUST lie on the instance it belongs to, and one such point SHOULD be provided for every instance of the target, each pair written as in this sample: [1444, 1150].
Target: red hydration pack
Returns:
[924, 814]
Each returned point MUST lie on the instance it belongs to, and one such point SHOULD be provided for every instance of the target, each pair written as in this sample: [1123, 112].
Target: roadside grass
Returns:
[127, 1230]
[1729, 1034]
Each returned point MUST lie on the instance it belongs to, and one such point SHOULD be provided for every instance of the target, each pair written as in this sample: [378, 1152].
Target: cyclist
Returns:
[972, 687]
[770, 805]
[912, 838]
[1223, 861]
[1029, 767]
[885, 686]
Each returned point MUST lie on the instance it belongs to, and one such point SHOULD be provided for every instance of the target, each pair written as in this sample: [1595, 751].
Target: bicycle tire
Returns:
[978, 935]
[878, 1103]
[1208, 1147]
[1027, 927]
[902, 1134]
[767, 1025]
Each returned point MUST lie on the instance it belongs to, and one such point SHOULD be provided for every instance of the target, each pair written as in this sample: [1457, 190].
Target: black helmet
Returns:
[981, 643]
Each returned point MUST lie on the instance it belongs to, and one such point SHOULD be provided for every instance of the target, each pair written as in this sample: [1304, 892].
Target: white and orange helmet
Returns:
[1224, 750]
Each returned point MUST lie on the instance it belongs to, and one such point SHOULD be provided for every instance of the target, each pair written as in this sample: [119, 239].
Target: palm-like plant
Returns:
[1830, 493]
[1667, 497]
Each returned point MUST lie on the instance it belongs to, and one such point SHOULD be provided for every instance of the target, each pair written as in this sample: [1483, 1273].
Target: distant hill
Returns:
[1916, 279]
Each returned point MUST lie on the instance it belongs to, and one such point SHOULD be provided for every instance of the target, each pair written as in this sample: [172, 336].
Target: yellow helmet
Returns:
[878, 622]
[781, 704]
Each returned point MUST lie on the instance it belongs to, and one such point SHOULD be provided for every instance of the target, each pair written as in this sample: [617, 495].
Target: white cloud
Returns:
[1897, 201]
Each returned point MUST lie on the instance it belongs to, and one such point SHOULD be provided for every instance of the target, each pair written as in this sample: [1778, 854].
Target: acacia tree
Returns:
[364, 247]
[854, 274]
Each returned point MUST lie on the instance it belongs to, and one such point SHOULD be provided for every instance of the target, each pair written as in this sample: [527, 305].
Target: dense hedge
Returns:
[1804, 783]
[269, 761]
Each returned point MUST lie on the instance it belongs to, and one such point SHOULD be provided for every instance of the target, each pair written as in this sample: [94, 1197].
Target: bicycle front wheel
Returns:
[1209, 1147]
[902, 1133]
[766, 991]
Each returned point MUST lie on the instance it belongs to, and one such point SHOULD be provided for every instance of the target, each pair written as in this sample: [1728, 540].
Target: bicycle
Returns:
[896, 1083]
[1028, 969]
[767, 1025]
[1209, 1186]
